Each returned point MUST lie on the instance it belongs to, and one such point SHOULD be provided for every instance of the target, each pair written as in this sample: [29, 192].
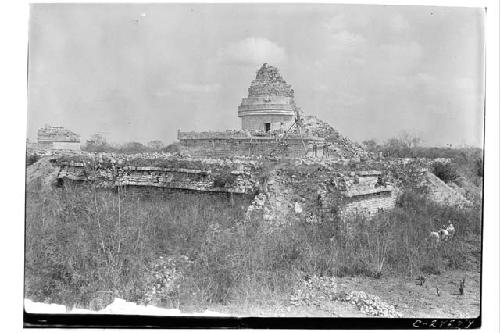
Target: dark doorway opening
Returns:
[267, 126]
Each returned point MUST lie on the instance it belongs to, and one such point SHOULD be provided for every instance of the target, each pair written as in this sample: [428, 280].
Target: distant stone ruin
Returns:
[58, 138]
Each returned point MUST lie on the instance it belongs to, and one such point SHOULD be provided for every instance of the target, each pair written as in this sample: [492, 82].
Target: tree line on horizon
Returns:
[98, 143]
[467, 160]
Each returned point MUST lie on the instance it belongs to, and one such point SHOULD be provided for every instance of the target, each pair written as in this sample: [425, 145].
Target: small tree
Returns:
[98, 143]
[31, 159]
[408, 140]
[97, 140]
[172, 148]
[404, 145]
[155, 145]
[370, 145]
[479, 167]
[133, 148]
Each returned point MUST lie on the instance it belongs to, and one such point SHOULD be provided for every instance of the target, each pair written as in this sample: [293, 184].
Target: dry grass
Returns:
[82, 242]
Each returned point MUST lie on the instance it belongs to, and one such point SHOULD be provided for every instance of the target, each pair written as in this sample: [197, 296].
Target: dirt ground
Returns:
[411, 300]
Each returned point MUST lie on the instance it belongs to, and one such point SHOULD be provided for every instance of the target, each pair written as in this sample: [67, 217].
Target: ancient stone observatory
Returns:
[267, 116]
[270, 103]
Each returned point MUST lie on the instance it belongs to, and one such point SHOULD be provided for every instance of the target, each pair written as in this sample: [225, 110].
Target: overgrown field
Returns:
[82, 242]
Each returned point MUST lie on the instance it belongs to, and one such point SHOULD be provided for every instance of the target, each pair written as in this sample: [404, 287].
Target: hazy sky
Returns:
[142, 71]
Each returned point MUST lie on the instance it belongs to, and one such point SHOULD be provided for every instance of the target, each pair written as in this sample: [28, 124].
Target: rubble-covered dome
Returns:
[269, 82]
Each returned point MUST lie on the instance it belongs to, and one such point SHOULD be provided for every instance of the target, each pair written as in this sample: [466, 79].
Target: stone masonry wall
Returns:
[366, 194]
[238, 178]
[318, 193]
[442, 193]
[257, 122]
[370, 205]
[254, 146]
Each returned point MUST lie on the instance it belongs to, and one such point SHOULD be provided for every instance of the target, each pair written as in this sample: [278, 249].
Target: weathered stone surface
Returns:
[314, 193]
[199, 175]
[370, 205]
[440, 192]
[268, 81]
[294, 146]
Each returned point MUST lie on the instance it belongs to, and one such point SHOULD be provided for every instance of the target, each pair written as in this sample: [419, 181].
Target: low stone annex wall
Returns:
[365, 195]
[313, 193]
[369, 205]
[239, 178]
[442, 193]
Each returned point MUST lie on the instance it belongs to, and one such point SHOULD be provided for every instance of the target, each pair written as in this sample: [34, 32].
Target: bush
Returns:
[133, 148]
[172, 148]
[479, 167]
[355, 268]
[223, 180]
[447, 172]
[431, 268]
[99, 148]
[31, 159]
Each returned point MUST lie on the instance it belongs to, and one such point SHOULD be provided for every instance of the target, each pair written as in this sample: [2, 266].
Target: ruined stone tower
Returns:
[270, 103]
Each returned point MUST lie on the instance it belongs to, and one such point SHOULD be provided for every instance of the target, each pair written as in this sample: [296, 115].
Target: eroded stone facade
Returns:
[204, 175]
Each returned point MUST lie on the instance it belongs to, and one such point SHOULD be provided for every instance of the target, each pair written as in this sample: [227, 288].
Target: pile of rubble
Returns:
[260, 207]
[369, 304]
[40, 176]
[165, 276]
[316, 290]
[341, 146]
[319, 291]
[442, 193]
